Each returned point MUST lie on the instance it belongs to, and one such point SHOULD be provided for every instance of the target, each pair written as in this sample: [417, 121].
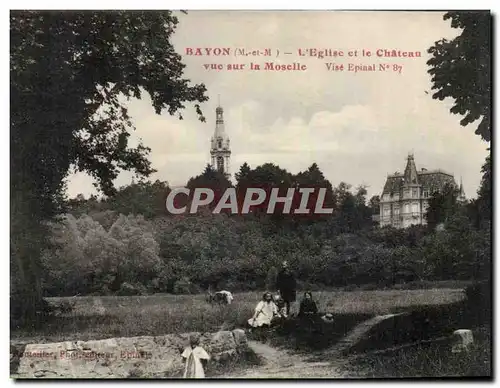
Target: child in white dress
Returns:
[265, 312]
[194, 355]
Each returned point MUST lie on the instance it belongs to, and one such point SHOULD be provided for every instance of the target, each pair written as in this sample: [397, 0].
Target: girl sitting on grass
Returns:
[308, 308]
[195, 356]
[265, 311]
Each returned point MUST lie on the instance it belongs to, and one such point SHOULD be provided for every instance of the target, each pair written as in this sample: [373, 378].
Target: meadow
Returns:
[99, 317]
[430, 359]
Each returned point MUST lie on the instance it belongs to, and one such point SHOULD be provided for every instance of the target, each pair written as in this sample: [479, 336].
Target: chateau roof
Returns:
[429, 180]
[411, 175]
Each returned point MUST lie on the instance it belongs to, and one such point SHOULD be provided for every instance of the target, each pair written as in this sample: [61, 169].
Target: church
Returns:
[405, 197]
[220, 150]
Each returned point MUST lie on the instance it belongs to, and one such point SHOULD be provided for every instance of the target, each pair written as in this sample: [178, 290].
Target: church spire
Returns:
[219, 122]
[461, 192]
[220, 150]
[410, 175]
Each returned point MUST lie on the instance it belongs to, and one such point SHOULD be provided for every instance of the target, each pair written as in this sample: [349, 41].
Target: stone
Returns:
[221, 341]
[461, 340]
[145, 356]
[240, 338]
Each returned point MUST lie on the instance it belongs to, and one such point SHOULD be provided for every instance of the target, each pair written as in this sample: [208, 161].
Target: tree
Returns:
[88, 258]
[484, 192]
[208, 179]
[460, 69]
[442, 205]
[374, 204]
[144, 198]
[313, 178]
[242, 175]
[266, 177]
[68, 71]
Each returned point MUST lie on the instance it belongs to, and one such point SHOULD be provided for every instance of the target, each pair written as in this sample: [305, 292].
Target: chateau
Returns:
[220, 152]
[405, 197]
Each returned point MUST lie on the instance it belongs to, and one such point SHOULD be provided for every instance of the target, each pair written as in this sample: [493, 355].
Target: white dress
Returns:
[194, 368]
[264, 313]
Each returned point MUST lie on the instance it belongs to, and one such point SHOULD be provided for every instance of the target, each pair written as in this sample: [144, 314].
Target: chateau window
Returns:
[414, 208]
[219, 144]
[407, 208]
[426, 193]
[415, 193]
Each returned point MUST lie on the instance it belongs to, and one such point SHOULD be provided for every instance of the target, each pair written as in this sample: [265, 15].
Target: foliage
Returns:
[189, 253]
[184, 286]
[460, 69]
[144, 198]
[272, 274]
[186, 254]
[484, 206]
[69, 73]
[442, 204]
[89, 259]
[209, 179]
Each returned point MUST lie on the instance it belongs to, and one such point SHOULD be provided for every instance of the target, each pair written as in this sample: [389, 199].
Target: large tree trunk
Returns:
[26, 243]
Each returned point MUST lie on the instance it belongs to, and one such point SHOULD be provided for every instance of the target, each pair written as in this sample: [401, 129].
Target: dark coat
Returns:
[307, 306]
[286, 285]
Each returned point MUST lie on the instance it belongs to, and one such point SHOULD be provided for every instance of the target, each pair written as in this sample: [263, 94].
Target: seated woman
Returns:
[265, 312]
[308, 308]
[310, 322]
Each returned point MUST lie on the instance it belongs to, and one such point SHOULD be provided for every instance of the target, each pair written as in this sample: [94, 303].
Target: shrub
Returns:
[128, 289]
[184, 286]
[272, 274]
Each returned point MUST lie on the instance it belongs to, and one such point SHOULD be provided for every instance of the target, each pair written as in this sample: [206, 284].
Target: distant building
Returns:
[405, 197]
[220, 151]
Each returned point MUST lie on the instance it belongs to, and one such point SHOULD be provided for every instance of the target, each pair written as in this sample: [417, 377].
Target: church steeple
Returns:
[219, 122]
[410, 175]
[461, 192]
[220, 151]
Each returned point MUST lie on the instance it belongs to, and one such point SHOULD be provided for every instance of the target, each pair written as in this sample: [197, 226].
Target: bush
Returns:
[479, 301]
[184, 255]
[184, 286]
[272, 274]
[128, 289]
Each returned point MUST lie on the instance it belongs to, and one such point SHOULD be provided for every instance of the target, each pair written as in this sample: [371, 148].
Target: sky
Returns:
[358, 127]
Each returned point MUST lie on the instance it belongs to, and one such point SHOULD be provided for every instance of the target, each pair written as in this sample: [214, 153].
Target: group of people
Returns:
[270, 310]
[273, 309]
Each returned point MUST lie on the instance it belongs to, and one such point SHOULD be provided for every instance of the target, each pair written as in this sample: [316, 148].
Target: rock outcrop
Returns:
[135, 357]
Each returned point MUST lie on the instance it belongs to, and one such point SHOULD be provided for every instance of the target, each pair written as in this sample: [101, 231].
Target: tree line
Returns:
[126, 245]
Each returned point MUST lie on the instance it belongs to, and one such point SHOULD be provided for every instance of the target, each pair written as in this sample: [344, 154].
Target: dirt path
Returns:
[279, 363]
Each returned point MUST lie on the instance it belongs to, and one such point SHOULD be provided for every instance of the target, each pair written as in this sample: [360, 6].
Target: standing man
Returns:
[286, 285]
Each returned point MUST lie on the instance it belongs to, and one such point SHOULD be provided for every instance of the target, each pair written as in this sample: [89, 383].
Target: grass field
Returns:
[124, 316]
[432, 359]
